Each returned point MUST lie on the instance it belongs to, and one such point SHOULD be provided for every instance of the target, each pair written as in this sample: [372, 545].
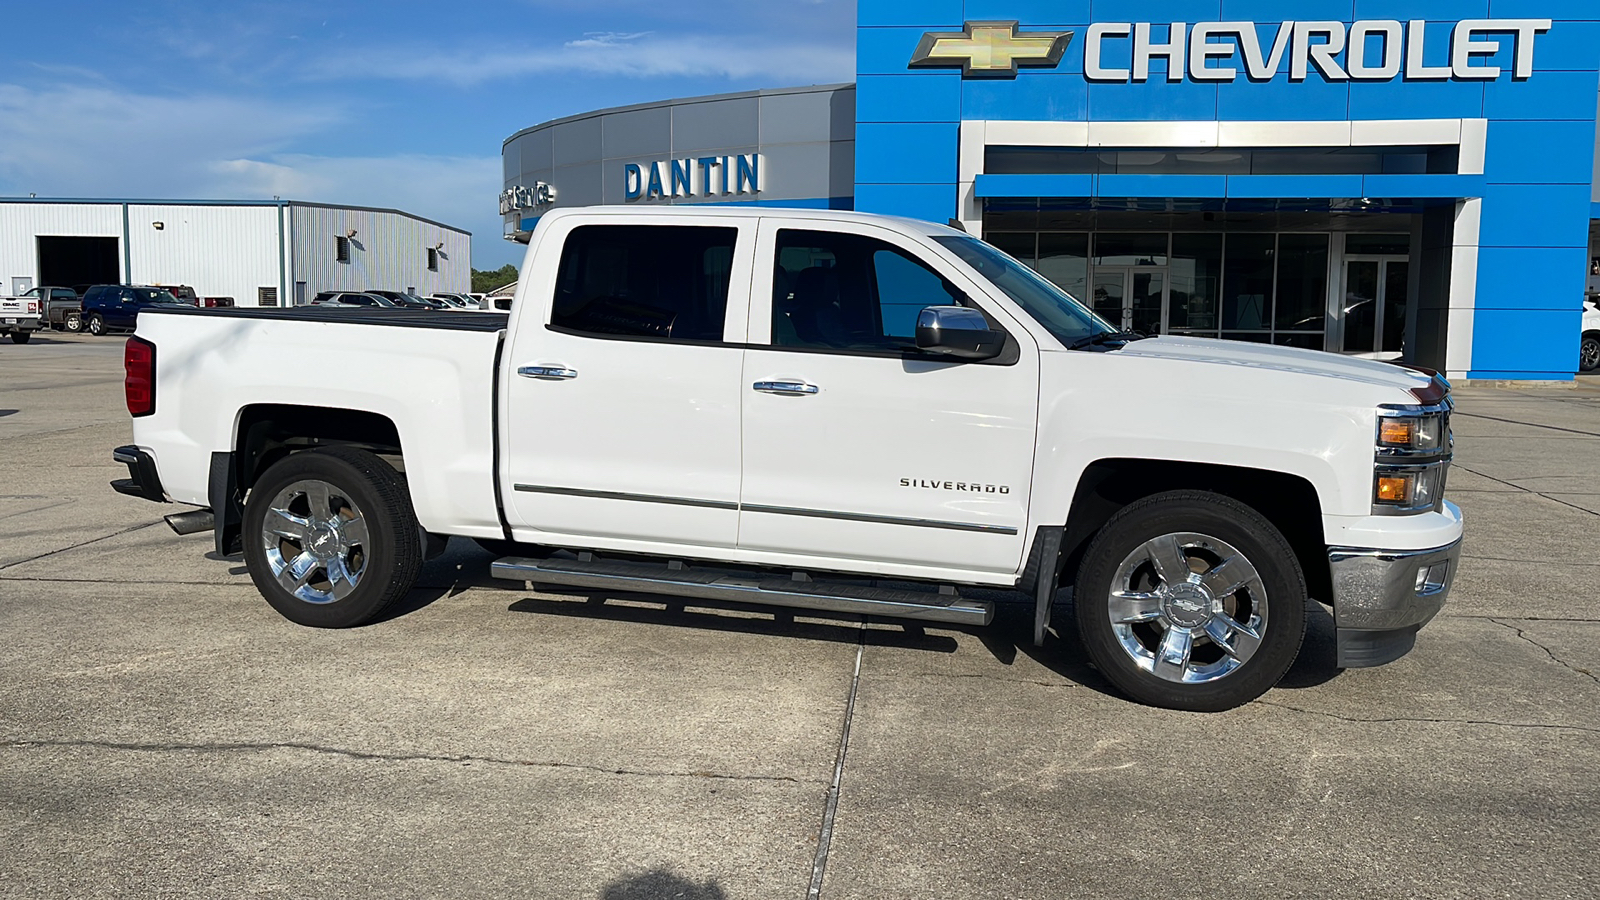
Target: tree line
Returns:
[485, 281]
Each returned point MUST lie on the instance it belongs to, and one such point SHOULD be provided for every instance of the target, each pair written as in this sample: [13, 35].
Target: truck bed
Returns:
[393, 318]
[432, 375]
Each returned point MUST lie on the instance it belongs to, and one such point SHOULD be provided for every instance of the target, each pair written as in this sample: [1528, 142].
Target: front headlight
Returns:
[1412, 434]
[1411, 459]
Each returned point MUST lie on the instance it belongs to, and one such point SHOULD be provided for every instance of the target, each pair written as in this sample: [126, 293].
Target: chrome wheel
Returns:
[1188, 608]
[95, 327]
[1589, 354]
[316, 541]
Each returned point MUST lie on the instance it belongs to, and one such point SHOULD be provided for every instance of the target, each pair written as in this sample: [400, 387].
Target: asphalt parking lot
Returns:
[164, 733]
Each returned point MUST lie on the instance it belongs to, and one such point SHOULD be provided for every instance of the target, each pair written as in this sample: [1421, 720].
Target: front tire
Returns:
[96, 326]
[1191, 600]
[330, 537]
[21, 337]
[1589, 352]
[73, 323]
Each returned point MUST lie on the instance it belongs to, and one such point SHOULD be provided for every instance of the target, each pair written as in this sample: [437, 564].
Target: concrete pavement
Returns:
[164, 732]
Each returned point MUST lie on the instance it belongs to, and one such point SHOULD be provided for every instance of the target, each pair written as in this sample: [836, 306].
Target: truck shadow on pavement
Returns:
[1010, 636]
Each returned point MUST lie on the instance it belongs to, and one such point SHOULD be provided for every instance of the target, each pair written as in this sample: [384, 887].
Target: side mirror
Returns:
[958, 332]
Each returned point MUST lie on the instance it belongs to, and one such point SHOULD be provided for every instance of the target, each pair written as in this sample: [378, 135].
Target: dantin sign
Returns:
[706, 176]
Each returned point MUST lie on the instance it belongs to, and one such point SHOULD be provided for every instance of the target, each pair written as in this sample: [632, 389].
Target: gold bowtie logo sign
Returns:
[993, 49]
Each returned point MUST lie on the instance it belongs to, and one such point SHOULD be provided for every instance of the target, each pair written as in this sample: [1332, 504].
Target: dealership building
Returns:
[266, 253]
[1389, 178]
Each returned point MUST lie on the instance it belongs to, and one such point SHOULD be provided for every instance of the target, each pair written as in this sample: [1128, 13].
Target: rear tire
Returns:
[96, 326]
[21, 337]
[330, 537]
[1191, 600]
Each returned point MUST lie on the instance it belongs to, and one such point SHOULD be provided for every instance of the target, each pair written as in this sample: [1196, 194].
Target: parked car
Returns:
[216, 302]
[61, 307]
[352, 299]
[20, 318]
[751, 402]
[409, 301]
[1589, 349]
[116, 307]
[183, 292]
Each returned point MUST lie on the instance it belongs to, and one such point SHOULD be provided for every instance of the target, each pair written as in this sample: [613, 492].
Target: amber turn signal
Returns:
[1395, 488]
[1397, 432]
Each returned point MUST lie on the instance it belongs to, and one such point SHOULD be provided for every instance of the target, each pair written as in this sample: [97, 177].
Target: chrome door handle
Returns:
[556, 373]
[787, 388]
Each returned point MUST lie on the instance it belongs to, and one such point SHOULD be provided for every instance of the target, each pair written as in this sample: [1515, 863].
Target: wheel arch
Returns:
[1290, 502]
[267, 432]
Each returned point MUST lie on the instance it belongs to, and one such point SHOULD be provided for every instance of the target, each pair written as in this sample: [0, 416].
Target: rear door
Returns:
[622, 383]
[858, 447]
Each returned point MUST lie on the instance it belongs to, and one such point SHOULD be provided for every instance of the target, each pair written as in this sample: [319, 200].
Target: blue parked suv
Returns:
[115, 307]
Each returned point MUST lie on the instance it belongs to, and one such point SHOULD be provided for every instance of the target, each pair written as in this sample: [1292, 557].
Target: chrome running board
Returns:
[676, 580]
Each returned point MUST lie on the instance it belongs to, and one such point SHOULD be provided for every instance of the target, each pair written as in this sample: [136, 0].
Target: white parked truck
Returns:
[20, 317]
[831, 411]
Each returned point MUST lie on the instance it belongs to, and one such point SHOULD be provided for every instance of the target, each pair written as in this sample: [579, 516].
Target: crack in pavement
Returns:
[258, 747]
[1533, 726]
[1547, 651]
[1581, 621]
[1527, 490]
[1049, 684]
[104, 537]
[1528, 424]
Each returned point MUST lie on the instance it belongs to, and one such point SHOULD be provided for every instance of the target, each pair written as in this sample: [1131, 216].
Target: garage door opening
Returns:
[78, 262]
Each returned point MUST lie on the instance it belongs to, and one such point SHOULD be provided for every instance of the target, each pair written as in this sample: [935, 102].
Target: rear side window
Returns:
[668, 282]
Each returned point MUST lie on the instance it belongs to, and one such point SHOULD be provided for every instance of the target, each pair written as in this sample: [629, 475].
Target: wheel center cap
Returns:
[1188, 606]
[324, 540]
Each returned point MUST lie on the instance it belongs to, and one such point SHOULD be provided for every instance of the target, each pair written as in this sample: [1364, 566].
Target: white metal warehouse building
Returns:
[257, 252]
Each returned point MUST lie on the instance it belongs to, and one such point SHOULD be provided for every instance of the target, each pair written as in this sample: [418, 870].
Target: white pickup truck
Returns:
[830, 411]
[20, 317]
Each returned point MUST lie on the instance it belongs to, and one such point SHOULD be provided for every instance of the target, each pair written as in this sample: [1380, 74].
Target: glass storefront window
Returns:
[1113, 249]
[1064, 259]
[1377, 244]
[1016, 244]
[1196, 294]
[1247, 282]
[1302, 303]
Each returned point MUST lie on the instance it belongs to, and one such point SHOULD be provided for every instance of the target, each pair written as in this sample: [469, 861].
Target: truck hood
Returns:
[1282, 359]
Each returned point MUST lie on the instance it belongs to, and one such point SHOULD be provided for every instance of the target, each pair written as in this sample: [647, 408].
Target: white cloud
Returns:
[626, 54]
[77, 141]
[96, 141]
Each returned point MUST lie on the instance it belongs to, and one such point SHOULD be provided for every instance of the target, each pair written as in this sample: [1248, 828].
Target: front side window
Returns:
[668, 282]
[1067, 320]
[848, 292]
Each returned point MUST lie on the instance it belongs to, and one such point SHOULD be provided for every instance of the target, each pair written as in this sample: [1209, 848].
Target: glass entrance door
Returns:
[1132, 298]
[1374, 308]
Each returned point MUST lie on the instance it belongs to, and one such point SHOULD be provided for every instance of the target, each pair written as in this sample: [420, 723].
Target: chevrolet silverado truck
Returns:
[20, 317]
[830, 411]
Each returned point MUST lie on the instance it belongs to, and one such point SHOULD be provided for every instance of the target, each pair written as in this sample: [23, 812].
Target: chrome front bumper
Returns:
[1381, 598]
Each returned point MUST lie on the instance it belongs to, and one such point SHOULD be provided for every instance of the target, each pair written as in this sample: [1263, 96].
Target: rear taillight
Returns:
[139, 358]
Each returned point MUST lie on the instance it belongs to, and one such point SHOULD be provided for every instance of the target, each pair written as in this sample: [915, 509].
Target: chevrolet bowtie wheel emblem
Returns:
[991, 49]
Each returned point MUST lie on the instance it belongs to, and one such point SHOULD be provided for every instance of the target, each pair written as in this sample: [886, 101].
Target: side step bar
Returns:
[712, 584]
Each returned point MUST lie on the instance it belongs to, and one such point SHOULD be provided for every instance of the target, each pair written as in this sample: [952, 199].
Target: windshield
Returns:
[1058, 311]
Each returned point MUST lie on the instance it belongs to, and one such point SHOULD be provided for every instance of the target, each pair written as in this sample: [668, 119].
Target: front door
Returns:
[1131, 298]
[622, 386]
[1374, 309]
[856, 446]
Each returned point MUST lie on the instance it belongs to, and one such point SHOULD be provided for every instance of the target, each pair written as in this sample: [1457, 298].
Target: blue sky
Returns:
[400, 104]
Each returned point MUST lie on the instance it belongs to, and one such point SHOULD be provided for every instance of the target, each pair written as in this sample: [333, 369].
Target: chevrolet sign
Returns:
[993, 49]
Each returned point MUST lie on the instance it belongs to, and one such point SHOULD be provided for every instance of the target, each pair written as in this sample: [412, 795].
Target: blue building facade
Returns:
[1389, 178]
